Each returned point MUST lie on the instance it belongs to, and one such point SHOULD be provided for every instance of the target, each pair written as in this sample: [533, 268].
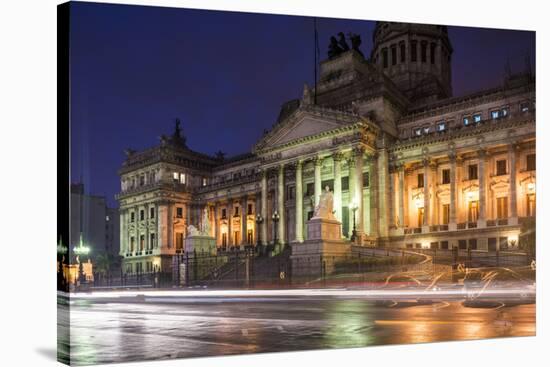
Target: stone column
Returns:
[230, 222]
[281, 204]
[317, 162]
[299, 203]
[401, 173]
[391, 193]
[244, 212]
[383, 191]
[216, 223]
[358, 151]
[337, 159]
[482, 189]
[264, 207]
[434, 202]
[351, 184]
[425, 223]
[374, 198]
[452, 201]
[459, 193]
[512, 202]
[170, 226]
[123, 237]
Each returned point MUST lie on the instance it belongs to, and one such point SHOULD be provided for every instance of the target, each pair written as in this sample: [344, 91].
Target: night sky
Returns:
[134, 69]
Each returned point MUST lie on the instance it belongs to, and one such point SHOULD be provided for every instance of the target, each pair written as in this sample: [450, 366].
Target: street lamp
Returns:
[353, 208]
[259, 221]
[275, 218]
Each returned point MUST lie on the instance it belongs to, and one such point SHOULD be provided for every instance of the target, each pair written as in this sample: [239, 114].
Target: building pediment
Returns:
[305, 123]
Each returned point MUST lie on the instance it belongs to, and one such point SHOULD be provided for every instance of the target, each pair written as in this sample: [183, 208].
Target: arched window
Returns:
[402, 51]
[413, 51]
[423, 51]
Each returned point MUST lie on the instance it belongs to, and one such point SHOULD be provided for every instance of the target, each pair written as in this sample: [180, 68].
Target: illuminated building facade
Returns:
[411, 165]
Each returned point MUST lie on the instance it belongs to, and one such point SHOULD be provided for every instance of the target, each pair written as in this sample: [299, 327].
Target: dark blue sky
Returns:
[225, 75]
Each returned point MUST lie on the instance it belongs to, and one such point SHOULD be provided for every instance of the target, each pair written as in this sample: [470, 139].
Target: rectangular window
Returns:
[224, 213]
[153, 240]
[504, 112]
[132, 243]
[204, 181]
[236, 211]
[132, 217]
[472, 243]
[179, 212]
[446, 176]
[426, 130]
[501, 167]
[224, 240]
[142, 214]
[441, 126]
[444, 245]
[502, 208]
[420, 180]
[179, 241]
[417, 131]
[462, 244]
[183, 178]
[477, 117]
[290, 192]
[495, 114]
[142, 180]
[531, 162]
[432, 53]
[473, 211]
[249, 210]
[524, 107]
[309, 215]
[446, 210]
[141, 242]
[176, 176]
[385, 58]
[402, 51]
[310, 189]
[394, 55]
[420, 217]
[345, 183]
[472, 171]
[366, 179]
[531, 205]
[423, 50]
[152, 213]
[466, 120]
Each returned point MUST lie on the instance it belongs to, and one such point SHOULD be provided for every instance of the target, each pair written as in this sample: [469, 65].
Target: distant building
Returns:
[98, 223]
[420, 167]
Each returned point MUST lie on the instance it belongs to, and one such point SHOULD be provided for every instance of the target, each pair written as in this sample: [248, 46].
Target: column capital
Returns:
[452, 156]
[337, 156]
[358, 151]
[317, 160]
[482, 153]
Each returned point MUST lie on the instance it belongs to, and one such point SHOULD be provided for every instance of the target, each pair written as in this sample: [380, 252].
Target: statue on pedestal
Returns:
[325, 208]
[205, 223]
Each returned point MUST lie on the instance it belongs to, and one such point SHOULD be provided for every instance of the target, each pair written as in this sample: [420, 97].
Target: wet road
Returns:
[151, 328]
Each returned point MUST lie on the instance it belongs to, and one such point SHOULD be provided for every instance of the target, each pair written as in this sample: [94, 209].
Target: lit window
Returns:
[495, 114]
[504, 112]
[427, 130]
[418, 132]
[441, 126]
[179, 212]
[524, 107]
[176, 176]
[107, 218]
[477, 117]
[446, 176]
[204, 181]
[182, 178]
[466, 120]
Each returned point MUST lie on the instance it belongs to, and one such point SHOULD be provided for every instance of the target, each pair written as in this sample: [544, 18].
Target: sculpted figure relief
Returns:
[325, 208]
[205, 223]
[192, 230]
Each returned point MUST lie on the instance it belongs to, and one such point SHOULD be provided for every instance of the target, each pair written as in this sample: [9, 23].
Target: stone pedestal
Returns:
[199, 244]
[324, 246]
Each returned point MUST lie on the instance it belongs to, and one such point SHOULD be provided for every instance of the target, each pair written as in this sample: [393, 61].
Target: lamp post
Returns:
[275, 218]
[259, 221]
[353, 207]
